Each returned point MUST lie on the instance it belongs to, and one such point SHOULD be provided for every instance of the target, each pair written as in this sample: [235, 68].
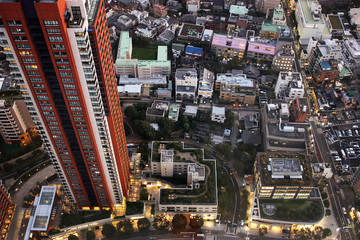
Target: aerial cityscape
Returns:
[179, 119]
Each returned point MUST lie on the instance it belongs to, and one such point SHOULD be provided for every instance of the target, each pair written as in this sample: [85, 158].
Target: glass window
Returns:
[53, 31]
[17, 31]
[51, 23]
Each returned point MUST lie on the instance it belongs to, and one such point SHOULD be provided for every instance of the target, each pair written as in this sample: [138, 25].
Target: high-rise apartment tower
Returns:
[61, 58]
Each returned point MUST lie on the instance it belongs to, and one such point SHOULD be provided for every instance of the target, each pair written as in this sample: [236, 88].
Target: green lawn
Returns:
[294, 210]
[142, 53]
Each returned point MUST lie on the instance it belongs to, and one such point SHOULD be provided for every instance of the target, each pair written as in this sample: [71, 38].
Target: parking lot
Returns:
[344, 142]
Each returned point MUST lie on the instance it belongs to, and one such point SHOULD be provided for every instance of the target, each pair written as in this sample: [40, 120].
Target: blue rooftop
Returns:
[193, 50]
[325, 65]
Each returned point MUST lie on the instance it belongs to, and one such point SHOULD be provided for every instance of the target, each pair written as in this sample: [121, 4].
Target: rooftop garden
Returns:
[202, 195]
[180, 154]
[266, 178]
[144, 53]
[293, 210]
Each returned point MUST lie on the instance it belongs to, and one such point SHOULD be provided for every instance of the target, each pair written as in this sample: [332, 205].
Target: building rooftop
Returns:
[264, 46]
[206, 82]
[156, 79]
[281, 167]
[124, 45]
[191, 110]
[162, 53]
[193, 50]
[129, 89]
[353, 46]
[155, 112]
[235, 79]
[41, 211]
[335, 21]
[174, 111]
[218, 110]
[183, 73]
[207, 36]
[268, 26]
[312, 11]
[229, 42]
[191, 30]
[167, 156]
[238, 10]
[284, 169]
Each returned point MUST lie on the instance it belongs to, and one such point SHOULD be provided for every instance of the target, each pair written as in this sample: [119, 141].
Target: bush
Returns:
[327, 212]
[73, 237]
[326, 203]
[326, 233]
[161, 222]
[125, 227]
[179, 221]
[90, 235]
[324, 195]
[143, 224]
[108, 230]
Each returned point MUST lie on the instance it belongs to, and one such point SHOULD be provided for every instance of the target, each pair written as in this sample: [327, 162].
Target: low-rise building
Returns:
[157, 111]
[186, 82]
[289, 86]
[351, 55]
[192, 51]
[218, 114]
[326, 74]
[15, 121]
[193, 6]
[355, 182]
[41, 217]
[7, 210]
[166, 36]
[335, 25]
[206, 84]
[174, 110]
[235, 87]
[169, 159]
[284, 59]
[124, 63]
[280, 133]
[261, 49]
[283, 176]
[190, 111]
[228, 47]
[190, 32]
[274, 23]
[130, 91]
[311, 21]
[299, 110]
[159, 10]
[265, 5]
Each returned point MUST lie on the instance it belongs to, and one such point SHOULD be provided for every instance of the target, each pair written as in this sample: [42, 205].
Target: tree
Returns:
[179, 221]
[196, 222]
[186, 127]
[108, 230]
[131, 112]
[166, 126]
[90, 235]
[326, 233]
[125, 227]
[326, 203]
[235, 63]
[144, 129]
[229, 121]
[161, 222]
[73, 237]
[143, 224]
[263, 231]
[144, 194]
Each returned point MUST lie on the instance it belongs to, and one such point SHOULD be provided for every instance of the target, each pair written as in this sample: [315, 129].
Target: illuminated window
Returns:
[256, 47]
